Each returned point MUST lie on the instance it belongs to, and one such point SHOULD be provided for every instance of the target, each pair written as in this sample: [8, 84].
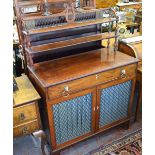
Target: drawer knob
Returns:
[123, 73]
[25, 130]
[22, 116]
[65, 93]
[66, 88]
[97, 76]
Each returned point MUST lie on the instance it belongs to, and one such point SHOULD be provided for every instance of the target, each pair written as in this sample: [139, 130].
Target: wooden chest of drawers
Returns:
[26, 117]
[81, 92]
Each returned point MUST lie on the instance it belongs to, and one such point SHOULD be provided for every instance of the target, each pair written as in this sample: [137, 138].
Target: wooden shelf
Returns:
[70, 42]
[68, 26]
[58, 14]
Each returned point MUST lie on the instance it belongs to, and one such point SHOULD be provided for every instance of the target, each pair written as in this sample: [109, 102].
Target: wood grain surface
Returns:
[23, 114]
[73, 67]
[26, 91]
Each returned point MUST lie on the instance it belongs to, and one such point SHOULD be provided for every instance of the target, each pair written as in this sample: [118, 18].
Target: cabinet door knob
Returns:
[22, 116]
[123, 73]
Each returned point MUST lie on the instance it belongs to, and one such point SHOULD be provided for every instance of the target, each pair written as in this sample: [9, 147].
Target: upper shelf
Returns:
[68, 26]
[55, 22]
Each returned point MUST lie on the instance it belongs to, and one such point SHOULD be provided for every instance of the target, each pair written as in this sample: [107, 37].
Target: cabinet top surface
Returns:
[25, 93]
[73, 67]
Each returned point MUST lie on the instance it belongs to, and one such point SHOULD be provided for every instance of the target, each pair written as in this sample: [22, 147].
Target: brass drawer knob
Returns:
[97, 76]
[25, 130]
[123, 73]
[22, 116]
[65, 93]
[66, 88]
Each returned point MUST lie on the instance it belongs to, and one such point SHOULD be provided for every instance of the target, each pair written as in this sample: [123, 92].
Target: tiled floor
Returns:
[31, 146]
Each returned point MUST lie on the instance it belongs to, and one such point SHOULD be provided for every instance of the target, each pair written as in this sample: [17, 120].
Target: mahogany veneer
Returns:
[64, 69]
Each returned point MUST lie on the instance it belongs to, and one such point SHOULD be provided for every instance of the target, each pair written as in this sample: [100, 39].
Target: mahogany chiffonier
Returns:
[85, 88]
[133, 47]
[84, 94]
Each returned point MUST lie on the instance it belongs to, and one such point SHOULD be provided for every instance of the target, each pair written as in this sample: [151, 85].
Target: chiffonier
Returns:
[85, 88]
[85, 94]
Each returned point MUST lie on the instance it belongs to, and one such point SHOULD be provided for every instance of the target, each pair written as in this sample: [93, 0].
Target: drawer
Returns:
[64, 89]
[24, 113]
[26, 128]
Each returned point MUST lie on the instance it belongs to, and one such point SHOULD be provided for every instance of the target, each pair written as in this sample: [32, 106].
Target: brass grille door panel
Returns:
[114, 103]
[72, 118]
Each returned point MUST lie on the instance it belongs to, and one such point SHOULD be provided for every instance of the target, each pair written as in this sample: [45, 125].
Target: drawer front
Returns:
[26, 128]
[63, 90]
[24, 114]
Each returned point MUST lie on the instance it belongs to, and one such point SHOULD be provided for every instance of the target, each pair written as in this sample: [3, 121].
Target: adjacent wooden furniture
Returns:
[134, 48]
[26, 118]
[26, 115]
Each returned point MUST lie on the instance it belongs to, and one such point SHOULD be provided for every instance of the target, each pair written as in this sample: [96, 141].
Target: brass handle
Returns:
[25, 130]
[65, 93]
[22, 116]
[123, 73]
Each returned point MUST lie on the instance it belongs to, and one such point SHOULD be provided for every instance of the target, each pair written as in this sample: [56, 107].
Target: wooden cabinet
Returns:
[95, 96]
[75, 76]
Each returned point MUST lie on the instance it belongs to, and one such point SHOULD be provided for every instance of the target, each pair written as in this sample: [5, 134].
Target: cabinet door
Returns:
[113, 103]
[72, 118]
